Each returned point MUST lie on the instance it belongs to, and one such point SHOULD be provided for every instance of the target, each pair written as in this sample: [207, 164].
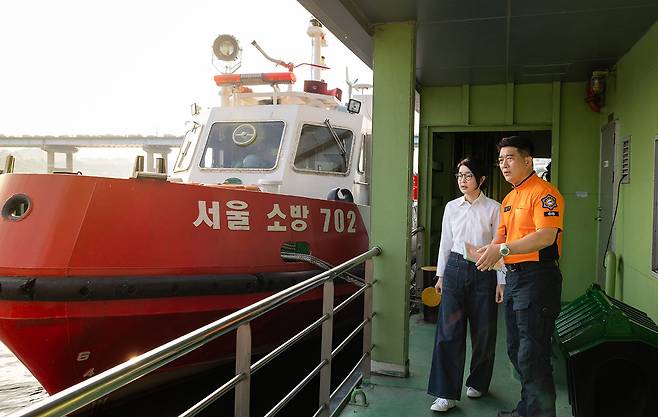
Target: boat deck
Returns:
[407, 397]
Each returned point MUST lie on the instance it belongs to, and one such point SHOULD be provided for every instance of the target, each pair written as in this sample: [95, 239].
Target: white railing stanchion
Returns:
[326, 347]
[243, 366]
[367, 318]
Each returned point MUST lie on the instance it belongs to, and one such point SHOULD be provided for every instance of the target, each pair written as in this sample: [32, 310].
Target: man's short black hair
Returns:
[524, 145]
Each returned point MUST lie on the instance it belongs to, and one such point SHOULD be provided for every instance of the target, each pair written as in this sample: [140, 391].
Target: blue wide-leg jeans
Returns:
[468, 297]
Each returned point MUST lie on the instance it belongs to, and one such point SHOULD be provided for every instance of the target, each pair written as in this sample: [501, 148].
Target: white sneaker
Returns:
[473, 393]
[442, 404]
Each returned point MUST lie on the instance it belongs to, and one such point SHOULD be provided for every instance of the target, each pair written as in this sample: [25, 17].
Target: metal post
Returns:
[242, 366]
[420, 260]
[161, 165]
[326, 348]
[367, 317]
[9, 164]
[139, 165]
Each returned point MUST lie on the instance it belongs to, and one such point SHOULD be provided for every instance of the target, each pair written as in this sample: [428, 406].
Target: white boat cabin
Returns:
[306, 144]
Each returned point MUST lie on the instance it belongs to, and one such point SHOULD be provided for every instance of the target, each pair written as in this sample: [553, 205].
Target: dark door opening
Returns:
[448, 148]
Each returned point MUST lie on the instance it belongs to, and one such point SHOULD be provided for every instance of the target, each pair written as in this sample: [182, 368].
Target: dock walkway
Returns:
[407, 397]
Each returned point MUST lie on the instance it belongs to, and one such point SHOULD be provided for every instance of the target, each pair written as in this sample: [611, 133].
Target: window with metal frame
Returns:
[243, 145]
[362, 164]
[324, 149]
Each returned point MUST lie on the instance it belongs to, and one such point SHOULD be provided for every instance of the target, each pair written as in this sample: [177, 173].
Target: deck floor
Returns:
[407, 397]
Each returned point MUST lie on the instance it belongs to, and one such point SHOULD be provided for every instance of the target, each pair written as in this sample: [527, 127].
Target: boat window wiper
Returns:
[340, 142]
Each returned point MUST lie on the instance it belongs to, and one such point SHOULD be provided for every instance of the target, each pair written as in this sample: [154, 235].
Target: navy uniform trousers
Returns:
[468, 296]
[532, 303]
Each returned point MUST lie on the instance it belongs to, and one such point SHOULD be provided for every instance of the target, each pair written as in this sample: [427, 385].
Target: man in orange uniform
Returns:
[530, 240]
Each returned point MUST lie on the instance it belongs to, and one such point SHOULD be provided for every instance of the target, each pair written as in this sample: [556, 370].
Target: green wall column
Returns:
[394, 61]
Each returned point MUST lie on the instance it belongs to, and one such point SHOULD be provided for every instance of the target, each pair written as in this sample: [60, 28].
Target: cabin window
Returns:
[187, 149]
[362, 166]
[243, 145]
[319, 150]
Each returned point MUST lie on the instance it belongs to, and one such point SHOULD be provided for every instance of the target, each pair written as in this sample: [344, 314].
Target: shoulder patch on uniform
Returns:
[507, 208]
[549, 202]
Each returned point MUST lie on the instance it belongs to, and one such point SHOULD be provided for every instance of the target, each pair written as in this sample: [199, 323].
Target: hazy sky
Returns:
[135, 66]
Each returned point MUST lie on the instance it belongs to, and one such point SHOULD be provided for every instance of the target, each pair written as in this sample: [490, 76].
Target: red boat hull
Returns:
[100, 270]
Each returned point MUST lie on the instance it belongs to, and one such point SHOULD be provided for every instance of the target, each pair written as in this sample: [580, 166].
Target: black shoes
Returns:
[512, 413]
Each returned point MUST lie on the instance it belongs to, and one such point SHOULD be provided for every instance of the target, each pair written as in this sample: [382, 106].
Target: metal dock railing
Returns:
[79, 395]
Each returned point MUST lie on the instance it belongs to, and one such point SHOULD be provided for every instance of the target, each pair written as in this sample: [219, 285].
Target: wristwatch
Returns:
[504, 249]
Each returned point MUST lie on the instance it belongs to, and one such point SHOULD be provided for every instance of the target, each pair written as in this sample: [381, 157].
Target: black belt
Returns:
[524, 266]
[459, 258]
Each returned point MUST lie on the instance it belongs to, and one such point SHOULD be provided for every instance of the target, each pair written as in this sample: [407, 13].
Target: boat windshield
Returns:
[320, 150]
[243, 145]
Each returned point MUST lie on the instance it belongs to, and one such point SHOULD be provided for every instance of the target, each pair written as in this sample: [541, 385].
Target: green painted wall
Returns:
[526, 107]
[633, 97]
[393, 104]
[487, 105]
[579, 173]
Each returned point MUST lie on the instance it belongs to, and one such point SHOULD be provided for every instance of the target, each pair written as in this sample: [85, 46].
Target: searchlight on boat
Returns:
[227, 49]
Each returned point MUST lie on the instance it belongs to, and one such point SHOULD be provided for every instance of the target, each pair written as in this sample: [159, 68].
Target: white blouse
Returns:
[474, 223]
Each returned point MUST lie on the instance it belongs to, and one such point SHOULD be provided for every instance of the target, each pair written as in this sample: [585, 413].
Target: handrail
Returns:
[417, 272]
[83, 393]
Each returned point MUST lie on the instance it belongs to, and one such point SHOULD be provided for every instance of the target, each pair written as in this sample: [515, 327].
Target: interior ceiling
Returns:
[497, 41]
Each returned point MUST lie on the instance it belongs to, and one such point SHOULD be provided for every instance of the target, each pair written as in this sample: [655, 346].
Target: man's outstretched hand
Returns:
[489, 255]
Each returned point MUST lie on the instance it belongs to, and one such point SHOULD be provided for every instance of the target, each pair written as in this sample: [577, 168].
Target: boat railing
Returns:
[96, 387]
[417, 240]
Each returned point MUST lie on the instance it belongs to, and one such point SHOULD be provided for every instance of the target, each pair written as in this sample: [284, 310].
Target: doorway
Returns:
[448, 148]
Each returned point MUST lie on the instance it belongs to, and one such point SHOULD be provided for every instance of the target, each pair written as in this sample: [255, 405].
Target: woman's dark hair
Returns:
[476, 166]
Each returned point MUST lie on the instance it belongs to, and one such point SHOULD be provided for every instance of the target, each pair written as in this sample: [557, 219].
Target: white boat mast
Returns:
[316, 32]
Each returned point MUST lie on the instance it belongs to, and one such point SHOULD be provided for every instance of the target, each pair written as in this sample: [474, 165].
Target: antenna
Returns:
[288, 65]
[350, 84]
[362, 86]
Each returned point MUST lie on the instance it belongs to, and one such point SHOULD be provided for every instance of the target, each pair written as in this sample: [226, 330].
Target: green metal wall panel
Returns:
[393, 105]
[534, 103]
[442, 106]
[578, 183]
[635, 105]
[488, 104]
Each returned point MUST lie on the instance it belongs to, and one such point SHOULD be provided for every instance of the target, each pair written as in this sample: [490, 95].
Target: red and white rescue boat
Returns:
[94, 271]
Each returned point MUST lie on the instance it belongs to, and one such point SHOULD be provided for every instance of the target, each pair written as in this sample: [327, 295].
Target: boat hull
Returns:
[100, 270]
[63, 343]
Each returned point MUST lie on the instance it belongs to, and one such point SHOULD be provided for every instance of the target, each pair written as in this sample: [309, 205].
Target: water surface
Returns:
[18, 387]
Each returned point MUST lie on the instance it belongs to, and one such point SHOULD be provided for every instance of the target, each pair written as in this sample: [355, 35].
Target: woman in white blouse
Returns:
[468, 295]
